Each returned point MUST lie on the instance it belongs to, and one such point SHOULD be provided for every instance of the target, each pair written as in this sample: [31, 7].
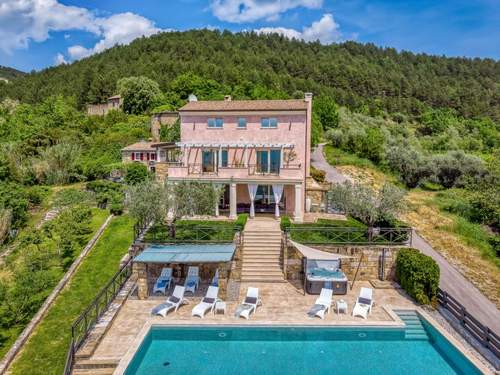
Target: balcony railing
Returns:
[252, 169]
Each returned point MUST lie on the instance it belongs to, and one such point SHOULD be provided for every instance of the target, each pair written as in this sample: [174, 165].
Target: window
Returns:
[152, 156]
[242, 123]
[137, 156]
[224, 158]
[215, 123]
[267, 123]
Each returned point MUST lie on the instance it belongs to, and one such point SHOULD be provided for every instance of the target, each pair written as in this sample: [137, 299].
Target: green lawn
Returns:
[45, 353]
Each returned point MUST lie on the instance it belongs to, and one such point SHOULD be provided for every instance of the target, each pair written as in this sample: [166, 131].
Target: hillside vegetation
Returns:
[364, 78]
[10, 73]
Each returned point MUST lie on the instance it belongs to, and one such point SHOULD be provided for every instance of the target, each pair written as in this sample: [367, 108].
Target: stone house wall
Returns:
[371, 259]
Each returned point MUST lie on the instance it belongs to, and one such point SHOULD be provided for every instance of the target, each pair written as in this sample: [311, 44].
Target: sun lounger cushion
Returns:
[161, 307]
[174, 299]
[208, 300]
[161, 283]
[315, 309]
[251, 300]
[365, 301]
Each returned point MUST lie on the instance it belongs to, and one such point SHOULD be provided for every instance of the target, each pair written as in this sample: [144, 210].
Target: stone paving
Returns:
[283, 303]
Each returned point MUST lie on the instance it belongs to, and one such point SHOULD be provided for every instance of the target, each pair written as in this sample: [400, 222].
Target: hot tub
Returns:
[325, 273]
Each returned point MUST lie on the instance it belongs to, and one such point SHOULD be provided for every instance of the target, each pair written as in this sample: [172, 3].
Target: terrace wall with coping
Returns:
[370, 261]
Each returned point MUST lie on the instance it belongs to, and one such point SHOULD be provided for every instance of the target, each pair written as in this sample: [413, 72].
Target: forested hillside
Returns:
[10, 73]
[364, 78]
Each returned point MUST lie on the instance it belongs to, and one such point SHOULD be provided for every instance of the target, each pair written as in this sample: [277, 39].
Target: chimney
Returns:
[192, 98]
[227, 98]
[308, 96]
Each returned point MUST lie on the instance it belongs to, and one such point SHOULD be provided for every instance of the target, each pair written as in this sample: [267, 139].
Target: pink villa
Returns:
[258, 149]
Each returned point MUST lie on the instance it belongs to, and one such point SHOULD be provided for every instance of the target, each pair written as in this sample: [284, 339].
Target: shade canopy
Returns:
[187, 253]
[311, 253]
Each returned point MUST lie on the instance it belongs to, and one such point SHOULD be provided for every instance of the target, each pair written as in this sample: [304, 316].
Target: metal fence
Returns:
[350, 235]
[87, 320]
[477, 330]
[162, 233]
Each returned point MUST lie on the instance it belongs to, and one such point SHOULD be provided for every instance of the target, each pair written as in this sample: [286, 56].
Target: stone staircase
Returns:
[262, 251]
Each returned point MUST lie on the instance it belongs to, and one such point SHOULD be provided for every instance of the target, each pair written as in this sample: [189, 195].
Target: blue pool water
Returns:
[268, 350]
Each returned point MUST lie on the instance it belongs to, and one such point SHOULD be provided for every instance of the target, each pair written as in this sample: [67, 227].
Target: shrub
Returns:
[241, 221]
[411, 165]
[455, 167]
[36, 194]
[116, 208]
[285, 223]
[318, 175]
[136, 173]
[418, 275]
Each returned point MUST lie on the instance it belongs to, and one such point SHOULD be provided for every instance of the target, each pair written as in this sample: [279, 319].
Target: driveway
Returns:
[452, 281]
[318, 161]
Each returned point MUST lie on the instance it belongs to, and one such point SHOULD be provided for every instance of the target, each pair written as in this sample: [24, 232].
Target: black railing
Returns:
[350, 235]
[476, 329]
[94, 311]
[163, 233]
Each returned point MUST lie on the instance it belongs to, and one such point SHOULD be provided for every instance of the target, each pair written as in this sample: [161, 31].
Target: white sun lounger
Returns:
[173, 302]
[215, 280]
[323, 304]
[163, 282]
[249, 304]
[192, 279]
[364, 303]
[207, 303]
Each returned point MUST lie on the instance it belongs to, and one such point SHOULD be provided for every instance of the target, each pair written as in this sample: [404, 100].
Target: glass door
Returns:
[208, 161]
[275, 156]
[263, 161]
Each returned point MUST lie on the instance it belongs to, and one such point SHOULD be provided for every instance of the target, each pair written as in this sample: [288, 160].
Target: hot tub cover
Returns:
[187, 253]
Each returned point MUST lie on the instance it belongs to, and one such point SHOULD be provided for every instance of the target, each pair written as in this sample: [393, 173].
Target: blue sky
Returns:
[39, 33]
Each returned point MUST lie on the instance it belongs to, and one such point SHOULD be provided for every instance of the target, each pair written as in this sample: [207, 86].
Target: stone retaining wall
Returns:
[371, 261]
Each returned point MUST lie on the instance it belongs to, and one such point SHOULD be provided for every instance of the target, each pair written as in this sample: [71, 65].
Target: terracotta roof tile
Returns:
[140, 146]
[246, 105]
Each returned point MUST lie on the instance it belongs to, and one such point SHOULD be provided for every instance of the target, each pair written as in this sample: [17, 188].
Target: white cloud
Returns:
[326, 30]
[239, 11]
[59, 59]
[22, 21]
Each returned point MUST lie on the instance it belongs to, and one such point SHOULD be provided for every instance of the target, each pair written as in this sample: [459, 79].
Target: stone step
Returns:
[274, 241]
[261, 258]
[256, 266]
[262, 233]
[264, 274]
[85, 364]
[261, 251]
[94, 371]
[267, 279]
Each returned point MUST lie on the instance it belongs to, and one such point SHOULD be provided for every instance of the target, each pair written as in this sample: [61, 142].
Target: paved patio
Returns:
[283, 303]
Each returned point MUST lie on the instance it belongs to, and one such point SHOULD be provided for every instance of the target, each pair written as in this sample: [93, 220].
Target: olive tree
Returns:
[147, 201]
[368, 205]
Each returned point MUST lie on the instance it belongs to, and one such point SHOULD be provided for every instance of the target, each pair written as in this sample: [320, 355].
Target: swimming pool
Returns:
[271, 350]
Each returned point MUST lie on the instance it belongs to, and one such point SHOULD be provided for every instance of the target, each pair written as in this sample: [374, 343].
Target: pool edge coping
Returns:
[389, 309]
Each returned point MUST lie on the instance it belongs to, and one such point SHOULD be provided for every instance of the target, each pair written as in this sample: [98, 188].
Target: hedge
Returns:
[418, 275]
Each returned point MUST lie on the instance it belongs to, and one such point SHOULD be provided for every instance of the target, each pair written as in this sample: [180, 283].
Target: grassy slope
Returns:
[11, 334]
[45, 352]
[461, 242]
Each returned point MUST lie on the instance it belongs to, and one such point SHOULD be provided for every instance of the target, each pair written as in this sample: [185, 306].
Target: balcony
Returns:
[235, 171]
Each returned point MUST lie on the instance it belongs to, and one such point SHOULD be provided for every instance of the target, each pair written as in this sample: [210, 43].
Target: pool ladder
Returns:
[414, 329]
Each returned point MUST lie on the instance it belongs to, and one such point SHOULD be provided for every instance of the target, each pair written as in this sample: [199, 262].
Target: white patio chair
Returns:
[364, 303]
[207, 303]
[193, 279]
[249, 304]
[323, 304]
[173, 302]
[163, 282]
